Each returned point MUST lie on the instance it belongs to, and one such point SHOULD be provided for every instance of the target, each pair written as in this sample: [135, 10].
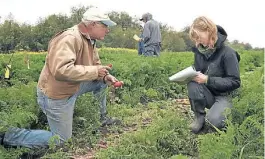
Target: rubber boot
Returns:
[198, 107]
[198, 123]
[106, 121]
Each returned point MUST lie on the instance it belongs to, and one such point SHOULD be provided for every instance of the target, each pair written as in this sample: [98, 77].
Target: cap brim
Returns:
[109, 23]
[141, 19]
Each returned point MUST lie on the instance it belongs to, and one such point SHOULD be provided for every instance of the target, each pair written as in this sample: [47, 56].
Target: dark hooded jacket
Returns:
[222, 67]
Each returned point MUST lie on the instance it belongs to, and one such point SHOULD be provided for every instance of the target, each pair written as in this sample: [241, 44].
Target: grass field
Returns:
[154, 119]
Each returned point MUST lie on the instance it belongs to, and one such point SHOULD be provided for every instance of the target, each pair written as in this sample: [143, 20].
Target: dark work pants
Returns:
[200, 98]
[152, 50]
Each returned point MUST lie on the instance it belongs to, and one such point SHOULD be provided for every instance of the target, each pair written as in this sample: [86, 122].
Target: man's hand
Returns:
[103, 70]
[200, 78]
[110, 79]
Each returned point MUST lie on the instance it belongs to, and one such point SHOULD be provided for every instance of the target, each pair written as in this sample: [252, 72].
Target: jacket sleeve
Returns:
[231, 81]
[146, 32]
[61, 61]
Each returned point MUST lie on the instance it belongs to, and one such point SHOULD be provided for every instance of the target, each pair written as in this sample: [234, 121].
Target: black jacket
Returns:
[222, 67]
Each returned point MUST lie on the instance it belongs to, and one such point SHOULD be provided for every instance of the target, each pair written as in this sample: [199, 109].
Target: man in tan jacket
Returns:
[72, 68]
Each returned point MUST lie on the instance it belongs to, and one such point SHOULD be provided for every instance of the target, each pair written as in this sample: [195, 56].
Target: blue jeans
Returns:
[60, 118]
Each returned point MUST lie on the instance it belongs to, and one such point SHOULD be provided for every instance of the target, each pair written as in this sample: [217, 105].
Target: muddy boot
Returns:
[198, 107]
[106, 121]
[198, 123]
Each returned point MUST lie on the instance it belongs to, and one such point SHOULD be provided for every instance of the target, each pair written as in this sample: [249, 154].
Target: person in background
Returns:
[151, 36]
[141, 43]
[218, 74]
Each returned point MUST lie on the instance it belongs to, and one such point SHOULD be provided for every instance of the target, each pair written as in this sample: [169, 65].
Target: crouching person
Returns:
[72, 68]
[218, 74]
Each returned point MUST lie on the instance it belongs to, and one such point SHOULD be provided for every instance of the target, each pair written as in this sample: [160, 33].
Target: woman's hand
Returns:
[200, 78]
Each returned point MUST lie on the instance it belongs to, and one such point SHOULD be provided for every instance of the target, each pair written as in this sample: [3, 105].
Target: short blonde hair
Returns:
[203, 24]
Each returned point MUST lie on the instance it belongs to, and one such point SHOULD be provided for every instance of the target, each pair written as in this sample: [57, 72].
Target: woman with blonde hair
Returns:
[218, 74]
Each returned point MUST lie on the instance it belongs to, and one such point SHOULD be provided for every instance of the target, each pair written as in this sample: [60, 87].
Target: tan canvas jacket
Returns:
[71, 59]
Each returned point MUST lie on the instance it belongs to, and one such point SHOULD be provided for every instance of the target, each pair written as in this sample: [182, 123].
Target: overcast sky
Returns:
[243, 20]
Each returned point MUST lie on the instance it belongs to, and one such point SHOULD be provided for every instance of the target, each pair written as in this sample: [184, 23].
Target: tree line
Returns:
[22, 36]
